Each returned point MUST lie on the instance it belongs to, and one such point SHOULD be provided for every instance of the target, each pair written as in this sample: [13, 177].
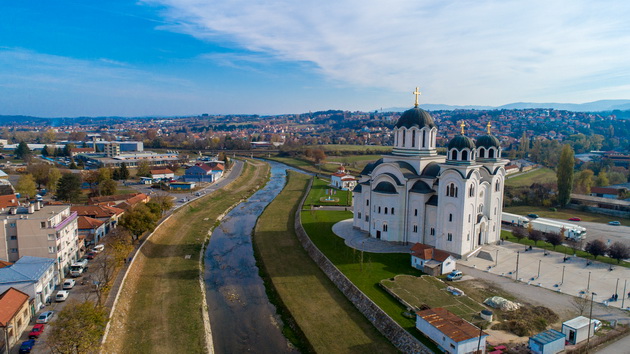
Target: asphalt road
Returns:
[604, 232]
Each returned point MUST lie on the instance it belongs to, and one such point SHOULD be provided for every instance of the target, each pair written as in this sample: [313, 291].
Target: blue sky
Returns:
[179, 57]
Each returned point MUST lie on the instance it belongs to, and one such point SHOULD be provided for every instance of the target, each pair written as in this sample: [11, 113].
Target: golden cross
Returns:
[417, 93]
[489, 125]
[462, 125]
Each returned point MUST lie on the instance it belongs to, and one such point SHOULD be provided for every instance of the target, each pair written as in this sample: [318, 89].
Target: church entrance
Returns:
[481, 228]
[378, 234]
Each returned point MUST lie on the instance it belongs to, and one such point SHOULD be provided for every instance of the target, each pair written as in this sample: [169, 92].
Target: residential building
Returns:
[111, 149]
[342, 180]
[107, 214]
[50, 232]
[8, 201]
[451, 333]
[162, 173]
[35, 276]
[204, 172]
[15, 315]
[91, 230]
[431, 261]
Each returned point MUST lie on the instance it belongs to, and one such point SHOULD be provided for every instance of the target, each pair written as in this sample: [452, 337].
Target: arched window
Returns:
[497, 187]
[384, 227]
[359, 215]
[415, 212]
[448, 190]
[455, 194]
[482, 152]
[465, 155]
[379, 210]
[480, 209]
[471, 191]
[392, 211]
[404, 133]
[413, 138]
[491, 153]
[367, 202]
[449, 237]
[454, 154]
[450, 217]
[424, 138]
[415, 228]
[385, 210]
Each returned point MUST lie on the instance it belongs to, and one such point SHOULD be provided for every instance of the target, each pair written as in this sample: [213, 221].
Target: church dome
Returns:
[415, 117]
[488, 141]
[461, 142]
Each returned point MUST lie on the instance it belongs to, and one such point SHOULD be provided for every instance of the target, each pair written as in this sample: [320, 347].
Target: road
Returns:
[604, 232]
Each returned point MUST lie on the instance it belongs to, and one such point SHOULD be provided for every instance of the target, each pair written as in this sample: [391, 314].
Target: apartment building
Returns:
[40, 231]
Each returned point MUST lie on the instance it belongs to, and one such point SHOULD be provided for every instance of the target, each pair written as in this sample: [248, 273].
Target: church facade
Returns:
[414, 195]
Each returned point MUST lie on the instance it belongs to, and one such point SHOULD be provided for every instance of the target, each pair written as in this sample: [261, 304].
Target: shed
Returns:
[576, 330]
[183, 185]
[547, 342]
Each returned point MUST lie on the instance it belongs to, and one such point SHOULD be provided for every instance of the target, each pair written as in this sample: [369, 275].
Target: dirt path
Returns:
[160, 305]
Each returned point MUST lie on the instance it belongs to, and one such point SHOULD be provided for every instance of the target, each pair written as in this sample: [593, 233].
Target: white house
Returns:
[34, 276]
[413, 195]
[431, 261]
[162, 173]
[451, 333]
[342, 180]
[576, 329]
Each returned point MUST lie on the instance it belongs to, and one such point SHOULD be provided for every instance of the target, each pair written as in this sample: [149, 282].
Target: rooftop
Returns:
[451, 325]
[10, 303]
[26, 269]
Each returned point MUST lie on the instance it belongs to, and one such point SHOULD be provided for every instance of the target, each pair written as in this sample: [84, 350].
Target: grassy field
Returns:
[354, 164]
[507, 235]
[161, 294]
[318, 191]
[565, 214]
[541, 175]
[303, 288]
[430, 291]
[366, 274]
[355, 148]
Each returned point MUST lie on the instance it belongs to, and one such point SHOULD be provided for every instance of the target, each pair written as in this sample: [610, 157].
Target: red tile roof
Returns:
[9, 200]
[426, 252]
[96, 211]
[5, 264]
[162, 171]
[112, 198]
[11, 301]
[451, 325]
[86, 222]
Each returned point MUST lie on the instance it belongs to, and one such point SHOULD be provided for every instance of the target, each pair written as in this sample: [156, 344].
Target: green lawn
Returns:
[541, 175]
[507, 235]
[356, 148]
[365, 271]
[565, 214]
[304, 290]
[318, 191]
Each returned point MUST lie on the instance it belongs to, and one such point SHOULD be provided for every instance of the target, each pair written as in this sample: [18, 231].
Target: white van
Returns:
[77, 268]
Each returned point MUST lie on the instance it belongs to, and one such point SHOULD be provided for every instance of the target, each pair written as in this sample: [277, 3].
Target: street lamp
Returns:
[590, 319]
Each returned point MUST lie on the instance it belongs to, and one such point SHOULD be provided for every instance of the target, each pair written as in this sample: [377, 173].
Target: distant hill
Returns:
[596, 106]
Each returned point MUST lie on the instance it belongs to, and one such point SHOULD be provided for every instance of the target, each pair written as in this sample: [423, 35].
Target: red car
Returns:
[575, 219]
[90, 255]
[37, 330]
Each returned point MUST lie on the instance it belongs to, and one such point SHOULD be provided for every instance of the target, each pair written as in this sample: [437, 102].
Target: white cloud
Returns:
[466, 52]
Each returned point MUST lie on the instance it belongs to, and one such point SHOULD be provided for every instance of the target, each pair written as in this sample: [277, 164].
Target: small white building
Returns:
[35, 276]
[162, 173]
[451, 333]
[576, 329]
[430, 260]
[342, 180]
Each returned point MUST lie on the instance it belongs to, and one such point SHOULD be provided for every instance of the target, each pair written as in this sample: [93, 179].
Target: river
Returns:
[241, 317]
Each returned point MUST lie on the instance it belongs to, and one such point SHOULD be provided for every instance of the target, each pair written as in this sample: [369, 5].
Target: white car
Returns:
[45, 317]
[98, 248]
[68, 284]
[62, 295]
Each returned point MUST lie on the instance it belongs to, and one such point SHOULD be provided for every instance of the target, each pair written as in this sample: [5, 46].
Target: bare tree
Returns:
[618, 251]
[580, 304]
[104, 270]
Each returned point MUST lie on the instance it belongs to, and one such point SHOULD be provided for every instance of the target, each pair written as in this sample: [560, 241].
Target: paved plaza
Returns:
[360, 240]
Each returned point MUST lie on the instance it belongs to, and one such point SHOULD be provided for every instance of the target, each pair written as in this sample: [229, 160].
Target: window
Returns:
[367, 218]
[471, 191]
[367, 202]
[413, 138]
[450, 217]
[43, 224]
[13, 238]
[384, 227]
[404, 136]
[432, 232]
[468, 237]
[454, 155]
[495, 210]
[480, 209]
[12, 224]
[424, 138]
[465, 155]
[449, 237]
[359, 216]
[451, 190]
[497, 187]
[415, 228]
[379, 210]
[415, 212]
[482, 152]
[491, 153]
[469, 217]
[385, 210]
[13, 250]
[392, 211]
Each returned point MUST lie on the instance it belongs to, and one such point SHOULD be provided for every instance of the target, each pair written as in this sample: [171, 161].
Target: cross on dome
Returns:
[489, 125]
[417, 93]
[463, 124]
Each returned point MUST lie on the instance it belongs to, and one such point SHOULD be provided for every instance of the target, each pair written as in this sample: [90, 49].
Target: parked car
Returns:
[45, 317]
[533, 216]
[76, 270]
[36, 331]
[454, 275]
[575, 219]
[90, 255]
[614, 223]
[62, 295]
[27, 346]
[68, 284]
[98, 248]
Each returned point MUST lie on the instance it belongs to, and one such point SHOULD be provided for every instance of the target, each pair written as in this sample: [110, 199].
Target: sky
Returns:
[68, 58]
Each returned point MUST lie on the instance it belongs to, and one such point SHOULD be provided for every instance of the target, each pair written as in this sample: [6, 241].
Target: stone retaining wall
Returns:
[397, 335]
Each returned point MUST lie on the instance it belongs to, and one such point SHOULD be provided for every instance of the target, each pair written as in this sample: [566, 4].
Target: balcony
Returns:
[66, 221]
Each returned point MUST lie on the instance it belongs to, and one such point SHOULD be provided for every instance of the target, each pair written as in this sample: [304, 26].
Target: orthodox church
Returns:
[414, 195]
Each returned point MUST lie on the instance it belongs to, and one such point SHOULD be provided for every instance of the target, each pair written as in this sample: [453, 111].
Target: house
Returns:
[608, 192]
[15, 315]
[342, 180]
[510, 169]
[547, 342]
[577, 329]
[204, 172]
[182, 185]
[451, 333]
[35, 276]
[113, 200]
[109, 215]
[162, 174]
[430, 260]
[8, 201]
[92, 230]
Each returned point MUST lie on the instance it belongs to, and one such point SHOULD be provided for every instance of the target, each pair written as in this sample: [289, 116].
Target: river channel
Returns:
[241, 317]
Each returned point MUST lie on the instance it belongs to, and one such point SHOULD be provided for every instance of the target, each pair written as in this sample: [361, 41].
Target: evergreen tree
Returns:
[23, 152]
[124, 172]
[565, 175]
[69, 187]
[45, 151]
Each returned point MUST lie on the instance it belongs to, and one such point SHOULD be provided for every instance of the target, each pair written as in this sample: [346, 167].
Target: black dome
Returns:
[386, 188]
[488, 141]
[415, 117]
[461, 142]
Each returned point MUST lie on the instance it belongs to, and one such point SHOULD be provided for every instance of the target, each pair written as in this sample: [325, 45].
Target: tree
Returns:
[535, 236]
[519, 233]
[49, 136]
[45, 151]
[165, 202]
[580, 304]
[78, 329]
[67, 149]
[602, 179]
[618, 251]
[554, 238]
[40, 172]
[318, 155]
[144, 169]
[91, 178]
[565, 174]
[596, 248]
[23, 152]
[53, 178]
[103, 271]
[69, 187]
[138, 220]
[73, 165]
[584, 181]
[123, 172]
[108, 187]
[26, 186]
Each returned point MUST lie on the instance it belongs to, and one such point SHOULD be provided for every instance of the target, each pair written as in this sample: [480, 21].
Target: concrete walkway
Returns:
[501, 260]
[361, 241]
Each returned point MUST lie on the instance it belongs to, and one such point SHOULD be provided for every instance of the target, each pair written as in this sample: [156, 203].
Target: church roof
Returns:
[385, 188]
[358, 188]
[487, 141]
[371, 166]
[407, 170]
[432, 170]
[433, 200]
[421, 187]
[417, 117]
[461, 142]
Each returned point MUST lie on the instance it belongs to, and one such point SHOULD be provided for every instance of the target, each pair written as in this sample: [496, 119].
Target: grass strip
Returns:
[329, 322]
